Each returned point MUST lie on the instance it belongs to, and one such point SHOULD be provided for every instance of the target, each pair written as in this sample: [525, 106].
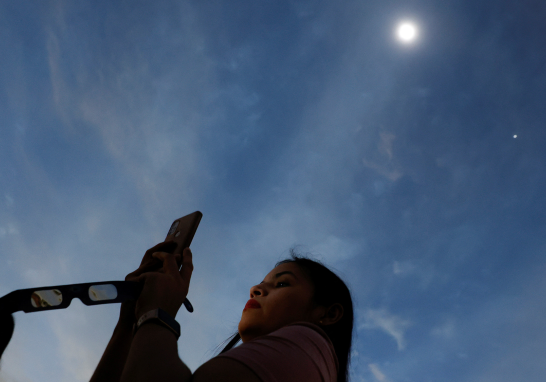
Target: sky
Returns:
[415, 170]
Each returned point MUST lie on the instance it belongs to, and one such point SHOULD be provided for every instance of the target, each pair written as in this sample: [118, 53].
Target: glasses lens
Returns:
[45, 298]
[103, 292]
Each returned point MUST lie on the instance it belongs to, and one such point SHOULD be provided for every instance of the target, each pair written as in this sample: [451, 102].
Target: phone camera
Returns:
[173, 227]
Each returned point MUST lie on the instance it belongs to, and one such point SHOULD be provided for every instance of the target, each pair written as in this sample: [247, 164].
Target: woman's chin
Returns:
[249, 329]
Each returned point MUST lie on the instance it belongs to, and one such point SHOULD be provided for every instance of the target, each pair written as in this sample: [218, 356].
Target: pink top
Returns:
[298, 352]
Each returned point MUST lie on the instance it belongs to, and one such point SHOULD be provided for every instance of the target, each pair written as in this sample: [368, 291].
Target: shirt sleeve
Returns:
[298, 352]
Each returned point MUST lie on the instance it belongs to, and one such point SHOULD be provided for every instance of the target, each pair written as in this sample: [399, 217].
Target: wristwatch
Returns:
[158, 316]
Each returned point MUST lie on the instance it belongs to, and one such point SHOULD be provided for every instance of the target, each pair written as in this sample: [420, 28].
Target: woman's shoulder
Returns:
[303, 329]
[224, 369]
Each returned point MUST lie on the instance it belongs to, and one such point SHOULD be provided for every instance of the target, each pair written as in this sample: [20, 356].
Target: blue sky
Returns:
[304, 124]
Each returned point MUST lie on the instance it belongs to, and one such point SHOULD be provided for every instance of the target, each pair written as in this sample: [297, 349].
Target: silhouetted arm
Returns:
[113, 360]
[154, 357]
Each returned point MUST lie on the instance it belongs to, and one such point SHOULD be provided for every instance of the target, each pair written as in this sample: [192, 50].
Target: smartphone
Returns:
[182, 231]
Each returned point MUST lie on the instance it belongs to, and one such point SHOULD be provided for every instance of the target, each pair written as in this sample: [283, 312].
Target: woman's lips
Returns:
[252, 304]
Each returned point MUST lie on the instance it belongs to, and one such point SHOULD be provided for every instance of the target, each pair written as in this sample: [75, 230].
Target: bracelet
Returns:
[158, 316]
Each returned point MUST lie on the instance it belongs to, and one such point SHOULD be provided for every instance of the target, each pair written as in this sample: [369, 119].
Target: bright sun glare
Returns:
[406, 32]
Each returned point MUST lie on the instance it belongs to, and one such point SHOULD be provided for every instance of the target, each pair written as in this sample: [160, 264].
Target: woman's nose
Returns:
[256, 290]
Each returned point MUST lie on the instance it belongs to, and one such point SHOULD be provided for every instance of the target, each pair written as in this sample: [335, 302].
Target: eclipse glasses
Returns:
[60, 296]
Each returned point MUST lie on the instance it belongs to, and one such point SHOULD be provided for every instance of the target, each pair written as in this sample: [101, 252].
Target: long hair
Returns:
[328, 289]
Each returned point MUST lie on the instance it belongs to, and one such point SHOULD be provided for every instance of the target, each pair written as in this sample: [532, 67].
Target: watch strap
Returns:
[159, 316]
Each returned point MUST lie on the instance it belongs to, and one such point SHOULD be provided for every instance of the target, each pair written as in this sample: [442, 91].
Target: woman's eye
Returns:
[282, 284]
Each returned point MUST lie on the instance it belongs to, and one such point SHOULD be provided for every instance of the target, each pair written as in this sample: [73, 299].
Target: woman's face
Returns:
[285, 296]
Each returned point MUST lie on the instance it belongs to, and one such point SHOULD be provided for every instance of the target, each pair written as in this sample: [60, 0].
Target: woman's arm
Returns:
[113, 360]
[154, 357]
[153, 354]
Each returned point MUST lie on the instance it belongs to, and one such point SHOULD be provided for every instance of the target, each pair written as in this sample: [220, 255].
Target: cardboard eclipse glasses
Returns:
[60, 296]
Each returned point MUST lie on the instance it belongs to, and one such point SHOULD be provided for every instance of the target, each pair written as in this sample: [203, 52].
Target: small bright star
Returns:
[515, 135]
[407, 32]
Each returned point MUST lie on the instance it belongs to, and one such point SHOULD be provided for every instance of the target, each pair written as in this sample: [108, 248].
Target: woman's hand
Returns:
[165, 288]
[149, 263]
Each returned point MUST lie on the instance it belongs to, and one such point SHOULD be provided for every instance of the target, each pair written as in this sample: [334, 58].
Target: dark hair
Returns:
[328, 289]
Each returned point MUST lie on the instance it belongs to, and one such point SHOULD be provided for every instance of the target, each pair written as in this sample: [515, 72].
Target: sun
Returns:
[406, 32]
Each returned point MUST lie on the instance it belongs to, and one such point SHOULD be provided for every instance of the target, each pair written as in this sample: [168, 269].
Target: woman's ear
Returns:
[333, 314]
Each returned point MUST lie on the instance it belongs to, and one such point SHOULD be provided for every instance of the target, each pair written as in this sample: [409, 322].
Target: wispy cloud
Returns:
[149, 117]
[384, 162]
[423, 271]
[377, 373]
[391, 324]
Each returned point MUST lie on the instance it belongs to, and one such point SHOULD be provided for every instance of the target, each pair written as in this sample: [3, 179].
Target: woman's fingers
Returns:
[164, 285]
[166, 246]
[149, 262]
[166, 290]
[187, 265]
[169, 262]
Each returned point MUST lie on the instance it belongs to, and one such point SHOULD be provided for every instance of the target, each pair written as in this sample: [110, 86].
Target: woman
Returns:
[297, 326]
